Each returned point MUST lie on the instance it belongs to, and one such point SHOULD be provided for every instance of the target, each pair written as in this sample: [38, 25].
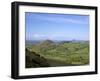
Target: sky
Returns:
[42, 26]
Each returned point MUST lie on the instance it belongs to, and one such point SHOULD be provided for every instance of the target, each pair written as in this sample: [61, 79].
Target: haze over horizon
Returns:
[43, 26]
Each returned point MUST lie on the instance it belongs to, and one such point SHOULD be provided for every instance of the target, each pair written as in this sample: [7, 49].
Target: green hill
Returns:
[61, 54]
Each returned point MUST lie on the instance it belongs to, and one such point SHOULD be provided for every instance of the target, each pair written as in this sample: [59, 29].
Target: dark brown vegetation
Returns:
[35, 60]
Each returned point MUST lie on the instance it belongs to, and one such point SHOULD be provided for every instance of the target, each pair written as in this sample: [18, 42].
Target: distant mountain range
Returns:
[33, 42]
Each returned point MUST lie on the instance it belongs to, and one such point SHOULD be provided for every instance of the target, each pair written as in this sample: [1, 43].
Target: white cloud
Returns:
[64, 20]
[60, 19]
[53, 36]
[38, 35]
[47, 36]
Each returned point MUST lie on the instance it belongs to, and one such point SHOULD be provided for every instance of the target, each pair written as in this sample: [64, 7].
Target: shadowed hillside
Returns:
[35, 60]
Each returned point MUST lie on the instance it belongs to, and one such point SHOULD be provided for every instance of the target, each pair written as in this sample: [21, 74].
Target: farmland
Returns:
[49, 53]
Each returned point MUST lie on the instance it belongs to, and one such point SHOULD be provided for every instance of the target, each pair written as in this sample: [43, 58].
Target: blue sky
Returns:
[42, 26]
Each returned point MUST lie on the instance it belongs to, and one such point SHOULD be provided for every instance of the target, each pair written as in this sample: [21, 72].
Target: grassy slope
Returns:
[67, 53]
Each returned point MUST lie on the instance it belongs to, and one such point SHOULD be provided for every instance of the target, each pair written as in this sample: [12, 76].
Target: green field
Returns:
[48, 53]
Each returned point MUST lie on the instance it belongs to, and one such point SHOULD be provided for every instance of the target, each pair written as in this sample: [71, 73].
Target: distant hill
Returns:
[31, 42]
[46, 42]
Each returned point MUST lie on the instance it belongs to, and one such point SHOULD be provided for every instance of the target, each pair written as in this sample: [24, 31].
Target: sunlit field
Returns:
[50, 54]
